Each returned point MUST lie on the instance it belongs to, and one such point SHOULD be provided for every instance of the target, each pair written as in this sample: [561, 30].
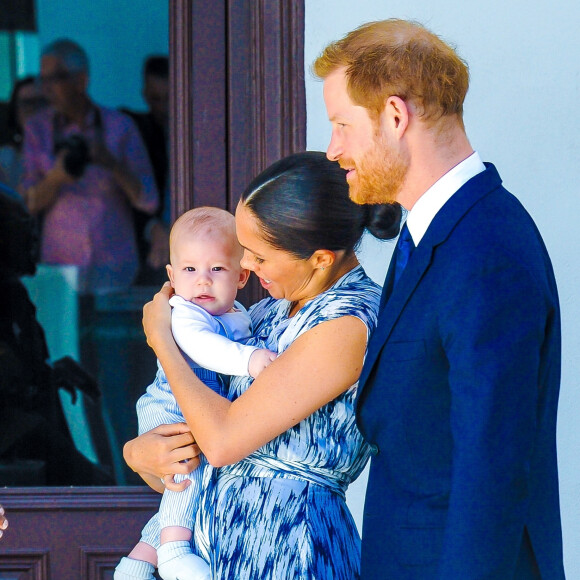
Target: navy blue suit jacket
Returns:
[459, 394]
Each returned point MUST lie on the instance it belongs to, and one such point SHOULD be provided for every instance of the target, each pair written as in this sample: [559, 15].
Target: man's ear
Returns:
[244, 276]
[170, 274]
[396, 115]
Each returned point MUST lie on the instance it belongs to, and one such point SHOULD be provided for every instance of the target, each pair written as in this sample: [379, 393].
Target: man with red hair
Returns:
[460, 385]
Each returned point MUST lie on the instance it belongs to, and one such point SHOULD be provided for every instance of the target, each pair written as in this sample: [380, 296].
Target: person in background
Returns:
[459, 390]
[153, 232]
[36, 446]
[26, 100]
[85, 168]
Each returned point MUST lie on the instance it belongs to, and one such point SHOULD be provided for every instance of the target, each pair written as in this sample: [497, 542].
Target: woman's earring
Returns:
[322, 268]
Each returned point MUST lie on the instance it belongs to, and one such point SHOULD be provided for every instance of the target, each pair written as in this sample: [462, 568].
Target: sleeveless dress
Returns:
[281, 513]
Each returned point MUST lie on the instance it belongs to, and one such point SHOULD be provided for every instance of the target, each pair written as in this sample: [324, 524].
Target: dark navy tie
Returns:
[401, 255]
[403, 251]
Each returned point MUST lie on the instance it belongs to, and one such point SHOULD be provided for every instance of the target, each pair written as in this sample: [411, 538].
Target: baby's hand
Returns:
[259, 360]
[170, 483]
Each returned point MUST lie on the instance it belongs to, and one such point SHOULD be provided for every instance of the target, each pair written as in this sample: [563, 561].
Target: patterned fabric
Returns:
[281, 512]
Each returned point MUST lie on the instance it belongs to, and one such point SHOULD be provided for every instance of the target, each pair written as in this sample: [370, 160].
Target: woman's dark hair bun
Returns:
[384, 220]
[302, 203]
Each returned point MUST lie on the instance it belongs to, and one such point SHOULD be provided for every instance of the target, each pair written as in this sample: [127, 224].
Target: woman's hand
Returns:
[157, 317]
[162, 452]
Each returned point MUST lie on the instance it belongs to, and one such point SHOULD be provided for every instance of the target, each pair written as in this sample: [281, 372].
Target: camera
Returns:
[77, 155]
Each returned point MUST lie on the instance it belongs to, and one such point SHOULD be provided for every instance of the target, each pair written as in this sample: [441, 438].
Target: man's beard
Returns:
[379, 175]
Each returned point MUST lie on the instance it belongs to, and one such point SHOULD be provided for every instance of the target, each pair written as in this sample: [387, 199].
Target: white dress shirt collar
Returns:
[427, 206]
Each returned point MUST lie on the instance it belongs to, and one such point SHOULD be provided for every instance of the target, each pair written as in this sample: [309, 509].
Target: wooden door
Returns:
[238, 104]
[239, 98]
[75, 533]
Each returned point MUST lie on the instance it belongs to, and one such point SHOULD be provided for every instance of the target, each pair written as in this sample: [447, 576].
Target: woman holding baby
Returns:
[286, 445]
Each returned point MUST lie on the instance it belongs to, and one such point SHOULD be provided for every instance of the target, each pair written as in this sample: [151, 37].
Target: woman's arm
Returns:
[167, 449]
[320, 365]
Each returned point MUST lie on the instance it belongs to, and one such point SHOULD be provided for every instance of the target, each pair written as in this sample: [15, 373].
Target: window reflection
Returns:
[101, 334]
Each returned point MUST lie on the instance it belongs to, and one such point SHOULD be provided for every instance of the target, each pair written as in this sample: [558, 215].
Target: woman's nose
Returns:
[245, 262]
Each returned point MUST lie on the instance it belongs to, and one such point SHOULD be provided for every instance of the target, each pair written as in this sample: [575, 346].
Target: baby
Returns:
[209, 326]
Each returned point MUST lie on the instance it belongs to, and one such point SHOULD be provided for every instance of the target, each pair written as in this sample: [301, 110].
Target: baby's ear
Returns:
[244, 276]
[170, 273]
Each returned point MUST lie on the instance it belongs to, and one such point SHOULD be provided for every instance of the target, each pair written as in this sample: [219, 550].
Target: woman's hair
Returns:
[303, 205]
[13, 129]
[398, 58]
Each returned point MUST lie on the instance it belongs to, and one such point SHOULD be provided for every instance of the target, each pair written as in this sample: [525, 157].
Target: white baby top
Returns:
[213, 342]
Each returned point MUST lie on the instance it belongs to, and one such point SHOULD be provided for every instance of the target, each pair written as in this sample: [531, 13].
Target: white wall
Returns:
[521, 113]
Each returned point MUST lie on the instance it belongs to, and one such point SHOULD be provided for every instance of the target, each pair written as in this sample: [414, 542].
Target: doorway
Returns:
[238, 104]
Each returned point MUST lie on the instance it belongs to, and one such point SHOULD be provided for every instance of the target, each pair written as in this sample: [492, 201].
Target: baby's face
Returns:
[205, 269]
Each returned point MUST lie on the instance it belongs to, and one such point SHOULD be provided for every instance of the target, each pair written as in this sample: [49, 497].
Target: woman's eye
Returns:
[259, 260]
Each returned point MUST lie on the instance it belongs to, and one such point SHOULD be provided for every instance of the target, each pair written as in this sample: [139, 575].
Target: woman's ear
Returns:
[322, 259]
[244, 276]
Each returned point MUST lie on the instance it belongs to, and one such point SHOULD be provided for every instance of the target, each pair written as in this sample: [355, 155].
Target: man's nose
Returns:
[334, 150]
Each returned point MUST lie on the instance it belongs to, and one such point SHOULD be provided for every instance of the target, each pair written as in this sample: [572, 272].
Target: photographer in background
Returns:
[85, 169]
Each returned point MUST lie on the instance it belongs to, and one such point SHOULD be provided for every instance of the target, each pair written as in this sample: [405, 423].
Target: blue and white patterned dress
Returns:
[281, 512]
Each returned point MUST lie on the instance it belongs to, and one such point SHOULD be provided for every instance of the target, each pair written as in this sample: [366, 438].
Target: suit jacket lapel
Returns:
[439, 230]
[400, 294]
